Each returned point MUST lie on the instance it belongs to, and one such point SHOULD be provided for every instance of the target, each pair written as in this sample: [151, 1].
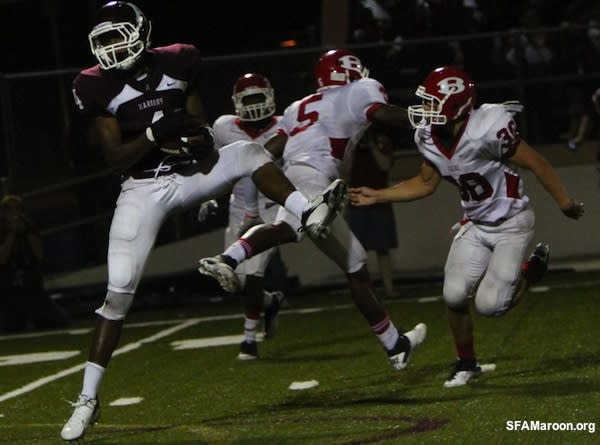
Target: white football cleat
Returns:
[464, 370]
[85, 414]
[323, 209]
[218, 269]
[399, 355]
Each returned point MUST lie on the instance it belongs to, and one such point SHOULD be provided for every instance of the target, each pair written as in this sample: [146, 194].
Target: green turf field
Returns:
[547, 353]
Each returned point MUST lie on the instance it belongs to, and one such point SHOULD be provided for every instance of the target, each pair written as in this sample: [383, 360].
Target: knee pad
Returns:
[455, 293]
[116, 306]
[121, 271]
[491, 302]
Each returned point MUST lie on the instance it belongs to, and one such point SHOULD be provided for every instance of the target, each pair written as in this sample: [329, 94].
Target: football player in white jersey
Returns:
[254, 102]
[473, 148]
[316, 134]
[146, 116]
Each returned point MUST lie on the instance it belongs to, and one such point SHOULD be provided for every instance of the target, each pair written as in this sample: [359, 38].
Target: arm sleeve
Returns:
[366, 96]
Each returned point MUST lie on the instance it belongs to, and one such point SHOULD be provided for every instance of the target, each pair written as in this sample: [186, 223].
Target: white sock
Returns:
[387, 333]
[250, 328]
[237, 251]
[92, 376]
[295, 203]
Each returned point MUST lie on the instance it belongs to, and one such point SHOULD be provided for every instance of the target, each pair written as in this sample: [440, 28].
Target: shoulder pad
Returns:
[223, 120]
[486, 117]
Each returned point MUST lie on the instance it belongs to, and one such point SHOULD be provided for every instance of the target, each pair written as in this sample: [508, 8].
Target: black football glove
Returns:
[202, 144]
[172, 126]
[575, 211]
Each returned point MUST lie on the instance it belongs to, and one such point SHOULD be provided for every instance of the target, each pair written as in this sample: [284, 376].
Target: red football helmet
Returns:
[120, 35]
[448, 94]
[338, 67]
[253, 84]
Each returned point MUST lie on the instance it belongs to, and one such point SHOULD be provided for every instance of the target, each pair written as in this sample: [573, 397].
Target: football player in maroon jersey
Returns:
[146, 115]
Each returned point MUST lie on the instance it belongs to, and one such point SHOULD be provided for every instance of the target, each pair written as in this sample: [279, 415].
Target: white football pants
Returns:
[341, 246]
[492, 254]
[143, 205]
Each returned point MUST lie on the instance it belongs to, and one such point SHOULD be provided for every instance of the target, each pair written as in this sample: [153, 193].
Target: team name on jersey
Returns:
[150, 103]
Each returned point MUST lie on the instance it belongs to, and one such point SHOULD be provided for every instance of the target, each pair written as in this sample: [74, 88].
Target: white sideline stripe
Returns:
[72, 370]
[197, 343]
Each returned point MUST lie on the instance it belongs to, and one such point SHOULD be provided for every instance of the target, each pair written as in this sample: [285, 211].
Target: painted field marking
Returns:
[539, 289]
[73, 369]
[185, 323]
[36, 357]
[126, 401]
[209, 342]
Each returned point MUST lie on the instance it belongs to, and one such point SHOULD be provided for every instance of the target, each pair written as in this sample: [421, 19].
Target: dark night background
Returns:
[43, 140]
[216, 27]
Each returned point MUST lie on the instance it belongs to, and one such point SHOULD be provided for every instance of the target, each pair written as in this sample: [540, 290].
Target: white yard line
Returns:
[185, 323]
[72, 370]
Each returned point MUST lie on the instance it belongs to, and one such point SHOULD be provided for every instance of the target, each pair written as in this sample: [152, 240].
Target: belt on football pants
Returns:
[156, 172]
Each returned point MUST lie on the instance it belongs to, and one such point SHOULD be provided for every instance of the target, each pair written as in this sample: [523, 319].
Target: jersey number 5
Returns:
[303, 115]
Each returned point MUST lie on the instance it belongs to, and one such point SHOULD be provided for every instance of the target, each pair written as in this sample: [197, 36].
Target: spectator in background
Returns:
[22, 296]
[531, 57]
[374, 226]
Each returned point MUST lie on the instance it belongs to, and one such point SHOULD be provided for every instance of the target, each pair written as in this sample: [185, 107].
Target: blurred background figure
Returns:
[22, 296]
[596, 104]
[374, 226]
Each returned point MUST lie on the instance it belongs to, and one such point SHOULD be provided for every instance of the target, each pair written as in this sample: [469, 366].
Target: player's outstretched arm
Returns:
[391, 116]
[525, 156]
[417, 187]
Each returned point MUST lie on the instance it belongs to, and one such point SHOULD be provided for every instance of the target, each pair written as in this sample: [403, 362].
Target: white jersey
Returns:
[323, 128]
[228, 129]
[490, 190]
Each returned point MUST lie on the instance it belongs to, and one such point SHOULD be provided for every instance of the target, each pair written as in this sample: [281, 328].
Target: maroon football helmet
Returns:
[338, 67]
[448, 94]
[120, 35]
[253, 84]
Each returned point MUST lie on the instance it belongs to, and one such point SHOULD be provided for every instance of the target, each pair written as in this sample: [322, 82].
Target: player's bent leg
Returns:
[324, 209]
[252, 299]
[345, 250]
[502, 286]
[256, 240]
[272, 303]
[536, 266]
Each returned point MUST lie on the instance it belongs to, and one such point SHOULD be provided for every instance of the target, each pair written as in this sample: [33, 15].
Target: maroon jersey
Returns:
[135, 102]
